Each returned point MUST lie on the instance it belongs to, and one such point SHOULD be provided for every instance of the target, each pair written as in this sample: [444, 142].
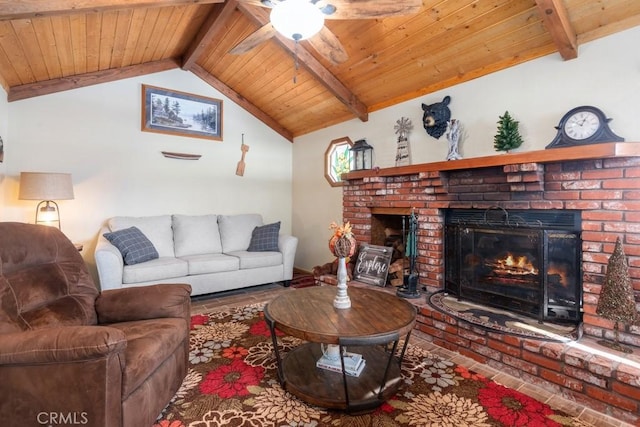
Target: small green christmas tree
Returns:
[616, 300]
[508, 136]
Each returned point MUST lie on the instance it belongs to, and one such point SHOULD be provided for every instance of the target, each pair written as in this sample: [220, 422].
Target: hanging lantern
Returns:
[361, 155]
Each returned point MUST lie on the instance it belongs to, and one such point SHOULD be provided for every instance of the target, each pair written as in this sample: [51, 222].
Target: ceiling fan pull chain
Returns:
[295, 62]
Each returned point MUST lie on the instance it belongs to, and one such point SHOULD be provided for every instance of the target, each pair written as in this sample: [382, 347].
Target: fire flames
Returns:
[514, 265]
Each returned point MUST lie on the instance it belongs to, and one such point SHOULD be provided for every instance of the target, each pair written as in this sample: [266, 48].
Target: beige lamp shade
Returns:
[45, 186]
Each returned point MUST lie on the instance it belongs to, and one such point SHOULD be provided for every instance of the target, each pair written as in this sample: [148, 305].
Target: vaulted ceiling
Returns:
[48, 46]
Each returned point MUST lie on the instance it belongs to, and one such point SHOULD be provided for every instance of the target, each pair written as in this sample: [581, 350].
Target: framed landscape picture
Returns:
[178, 113]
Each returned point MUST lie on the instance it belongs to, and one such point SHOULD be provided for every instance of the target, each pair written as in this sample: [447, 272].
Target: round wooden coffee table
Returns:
[372, 326]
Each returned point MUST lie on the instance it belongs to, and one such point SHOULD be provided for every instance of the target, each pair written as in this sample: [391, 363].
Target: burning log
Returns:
[513, 265]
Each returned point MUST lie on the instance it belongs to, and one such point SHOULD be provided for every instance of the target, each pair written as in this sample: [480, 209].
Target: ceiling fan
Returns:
[304, 20]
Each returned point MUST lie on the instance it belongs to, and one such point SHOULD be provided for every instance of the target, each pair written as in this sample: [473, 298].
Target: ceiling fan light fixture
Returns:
[296, 19]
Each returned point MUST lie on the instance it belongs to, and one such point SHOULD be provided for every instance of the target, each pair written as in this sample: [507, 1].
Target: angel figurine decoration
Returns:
[453, 136]
[403, 127]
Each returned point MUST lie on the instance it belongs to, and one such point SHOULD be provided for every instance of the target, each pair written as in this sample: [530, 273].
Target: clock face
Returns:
[582, 125]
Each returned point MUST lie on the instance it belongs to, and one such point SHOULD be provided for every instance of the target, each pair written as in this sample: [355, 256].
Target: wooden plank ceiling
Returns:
[53, 45]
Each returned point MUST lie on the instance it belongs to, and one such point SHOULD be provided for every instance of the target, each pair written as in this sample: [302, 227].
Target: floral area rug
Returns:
[232, 381]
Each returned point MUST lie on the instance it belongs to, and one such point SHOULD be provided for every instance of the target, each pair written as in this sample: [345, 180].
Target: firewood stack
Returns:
[397, 271]
[393, 239]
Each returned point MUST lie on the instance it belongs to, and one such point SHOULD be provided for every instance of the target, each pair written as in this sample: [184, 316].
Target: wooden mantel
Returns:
[585, 152]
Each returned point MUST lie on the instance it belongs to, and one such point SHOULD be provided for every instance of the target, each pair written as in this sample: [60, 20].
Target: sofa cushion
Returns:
[133, 245]
[156, 228]
[258, 259]
[149, 344]
[156, 269]
[211, 263]
[236, 230]
[265, 238]
[196, 234]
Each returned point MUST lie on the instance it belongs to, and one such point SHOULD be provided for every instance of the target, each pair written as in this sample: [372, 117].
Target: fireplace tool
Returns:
[409, 288]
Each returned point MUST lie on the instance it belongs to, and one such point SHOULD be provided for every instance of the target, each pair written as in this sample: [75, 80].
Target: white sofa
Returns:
[209, 252]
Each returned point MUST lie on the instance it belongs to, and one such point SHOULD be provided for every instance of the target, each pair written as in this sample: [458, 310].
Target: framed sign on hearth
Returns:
[372, 264]
[179, 113]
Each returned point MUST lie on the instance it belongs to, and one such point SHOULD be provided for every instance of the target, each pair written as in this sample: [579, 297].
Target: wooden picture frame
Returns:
[372, 264]
[179, 113]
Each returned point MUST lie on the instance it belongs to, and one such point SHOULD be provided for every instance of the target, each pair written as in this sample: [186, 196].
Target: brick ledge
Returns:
[594, 151]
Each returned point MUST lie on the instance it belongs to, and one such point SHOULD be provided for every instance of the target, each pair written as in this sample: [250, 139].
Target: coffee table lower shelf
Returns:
[325, 388]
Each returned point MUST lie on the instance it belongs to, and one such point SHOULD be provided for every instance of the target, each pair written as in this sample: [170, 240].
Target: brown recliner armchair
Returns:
[70, 355]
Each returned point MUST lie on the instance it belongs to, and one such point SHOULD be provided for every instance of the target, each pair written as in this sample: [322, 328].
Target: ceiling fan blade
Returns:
[328, 45]
[371, 9]
[262, 34]
[254, 3]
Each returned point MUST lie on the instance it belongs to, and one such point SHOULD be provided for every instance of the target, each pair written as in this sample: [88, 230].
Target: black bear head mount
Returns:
[436, 116]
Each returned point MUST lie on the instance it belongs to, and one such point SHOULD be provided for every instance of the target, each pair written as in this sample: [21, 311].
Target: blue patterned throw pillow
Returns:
[134, 246]
[265, 238]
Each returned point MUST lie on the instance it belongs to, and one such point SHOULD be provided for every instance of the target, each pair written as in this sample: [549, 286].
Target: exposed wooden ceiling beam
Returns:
[556, 20]
[31, 90]
[241, 101]
[214, 24]
[24, 9]
[260, 17]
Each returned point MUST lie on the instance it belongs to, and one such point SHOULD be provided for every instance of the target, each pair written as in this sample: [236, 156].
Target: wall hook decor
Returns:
[241, 164]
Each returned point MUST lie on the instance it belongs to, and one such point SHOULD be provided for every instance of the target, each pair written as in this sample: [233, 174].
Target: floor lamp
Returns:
[46, 187]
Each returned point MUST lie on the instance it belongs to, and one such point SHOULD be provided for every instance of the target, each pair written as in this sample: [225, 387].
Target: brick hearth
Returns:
[601, 181]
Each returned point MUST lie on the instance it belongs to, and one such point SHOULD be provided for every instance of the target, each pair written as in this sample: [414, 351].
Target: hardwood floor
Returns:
[264, 293]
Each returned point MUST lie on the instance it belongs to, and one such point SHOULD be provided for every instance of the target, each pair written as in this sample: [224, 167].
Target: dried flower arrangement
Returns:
[342, 243]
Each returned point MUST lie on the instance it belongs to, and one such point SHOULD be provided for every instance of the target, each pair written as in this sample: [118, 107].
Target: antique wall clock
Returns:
[583, 125]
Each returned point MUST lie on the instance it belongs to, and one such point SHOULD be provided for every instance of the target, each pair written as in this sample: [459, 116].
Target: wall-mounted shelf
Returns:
[585, 152]
[180, 156]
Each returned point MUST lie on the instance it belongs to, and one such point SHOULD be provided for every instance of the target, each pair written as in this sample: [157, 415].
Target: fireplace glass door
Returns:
[531, 271]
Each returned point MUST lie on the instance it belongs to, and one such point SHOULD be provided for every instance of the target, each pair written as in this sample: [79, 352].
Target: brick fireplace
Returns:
[601, 182]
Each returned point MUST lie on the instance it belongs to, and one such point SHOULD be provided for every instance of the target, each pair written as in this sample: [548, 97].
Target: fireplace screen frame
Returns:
[461, 225]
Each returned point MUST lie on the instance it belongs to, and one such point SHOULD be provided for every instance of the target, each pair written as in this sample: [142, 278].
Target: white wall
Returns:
[94, 133]
[537, 94]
